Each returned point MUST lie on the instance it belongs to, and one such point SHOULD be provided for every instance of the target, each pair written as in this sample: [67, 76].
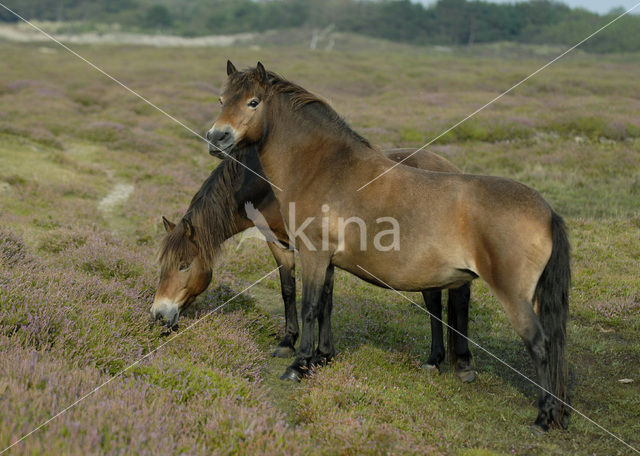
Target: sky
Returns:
[599, 6]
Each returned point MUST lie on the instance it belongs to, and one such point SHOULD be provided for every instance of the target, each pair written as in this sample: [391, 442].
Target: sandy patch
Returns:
[22, 33]
[117, 195]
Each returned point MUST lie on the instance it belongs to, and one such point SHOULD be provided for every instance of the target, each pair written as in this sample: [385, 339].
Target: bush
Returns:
[158, 16]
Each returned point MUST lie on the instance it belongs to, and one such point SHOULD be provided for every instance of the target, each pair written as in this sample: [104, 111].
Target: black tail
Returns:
[552, 296]
[452, 322]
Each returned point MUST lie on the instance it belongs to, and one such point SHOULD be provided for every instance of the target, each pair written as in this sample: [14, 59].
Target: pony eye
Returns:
[254, 103]
[184, 266]
[220, 100]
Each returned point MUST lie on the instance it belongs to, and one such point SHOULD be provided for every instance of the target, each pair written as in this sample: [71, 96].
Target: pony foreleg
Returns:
[433, 301]
[458, 318]
[314, 273]
[326, 350]
[286, 260]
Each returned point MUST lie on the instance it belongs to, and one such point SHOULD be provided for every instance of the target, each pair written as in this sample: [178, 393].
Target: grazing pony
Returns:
[448, 228]
[218, 211]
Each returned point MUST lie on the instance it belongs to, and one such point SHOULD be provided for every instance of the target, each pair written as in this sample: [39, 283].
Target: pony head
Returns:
[243, 110]
[183, 273]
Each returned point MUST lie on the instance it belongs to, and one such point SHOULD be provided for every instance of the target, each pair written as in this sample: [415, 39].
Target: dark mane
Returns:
[299, 97]
[212, 214]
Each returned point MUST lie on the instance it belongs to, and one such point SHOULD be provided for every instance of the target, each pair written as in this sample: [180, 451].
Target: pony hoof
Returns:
[466, 375]
[291, 375]
[321, 360]
[283, 351]
[537, 429]
[431, 368]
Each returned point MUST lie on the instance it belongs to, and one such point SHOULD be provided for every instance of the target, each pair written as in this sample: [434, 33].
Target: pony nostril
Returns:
[221, 138]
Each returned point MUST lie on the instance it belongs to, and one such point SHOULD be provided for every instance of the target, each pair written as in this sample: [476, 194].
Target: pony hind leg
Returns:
[526, 323]
[544, 334]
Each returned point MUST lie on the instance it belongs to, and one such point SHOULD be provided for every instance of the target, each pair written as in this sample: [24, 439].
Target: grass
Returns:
[76, 281]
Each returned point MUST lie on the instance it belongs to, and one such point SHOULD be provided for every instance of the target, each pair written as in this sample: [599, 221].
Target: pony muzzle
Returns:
[166, 312]
[221, 140]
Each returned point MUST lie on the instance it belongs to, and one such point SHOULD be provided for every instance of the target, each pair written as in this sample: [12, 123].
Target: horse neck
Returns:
[298, 143]
[214, 210]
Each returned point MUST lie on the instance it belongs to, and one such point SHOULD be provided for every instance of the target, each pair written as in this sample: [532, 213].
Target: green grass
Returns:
[68, 135]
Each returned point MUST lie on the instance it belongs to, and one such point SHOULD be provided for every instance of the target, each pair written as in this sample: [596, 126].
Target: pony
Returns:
[449, 228]
[219, 210]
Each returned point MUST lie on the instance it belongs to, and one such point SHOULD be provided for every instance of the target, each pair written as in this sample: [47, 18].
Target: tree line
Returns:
[446, 22]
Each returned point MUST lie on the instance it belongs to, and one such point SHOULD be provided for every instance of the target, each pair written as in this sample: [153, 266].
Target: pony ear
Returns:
[262, 73]
[188, 228]
[168, 225]
[230, 68]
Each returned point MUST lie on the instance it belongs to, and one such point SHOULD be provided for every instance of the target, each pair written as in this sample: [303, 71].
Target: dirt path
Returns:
[107, 206]
[117, 195]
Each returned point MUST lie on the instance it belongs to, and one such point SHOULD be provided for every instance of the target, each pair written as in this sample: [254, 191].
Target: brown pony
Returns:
[218, 211]
[448, 228]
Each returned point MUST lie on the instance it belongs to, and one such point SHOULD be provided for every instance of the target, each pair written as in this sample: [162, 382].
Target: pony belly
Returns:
[398, 272]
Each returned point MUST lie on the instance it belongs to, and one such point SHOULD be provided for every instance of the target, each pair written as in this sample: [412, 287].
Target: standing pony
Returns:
[218, 211]
[448, 228]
